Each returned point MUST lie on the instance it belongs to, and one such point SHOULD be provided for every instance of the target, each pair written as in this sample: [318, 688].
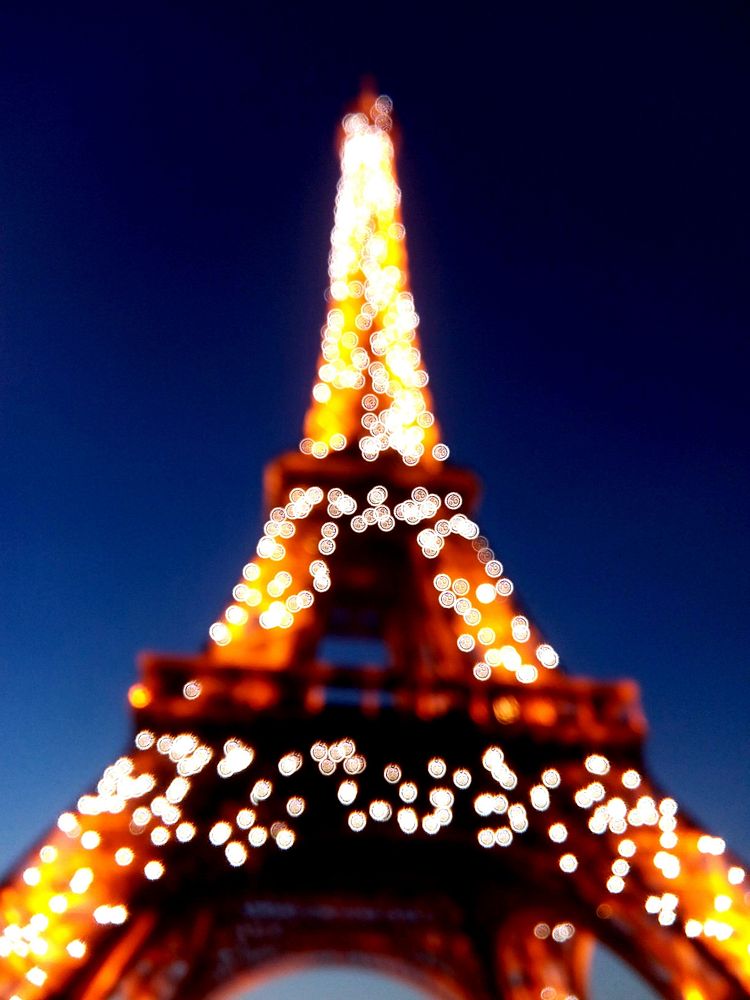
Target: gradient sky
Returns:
[578, 219]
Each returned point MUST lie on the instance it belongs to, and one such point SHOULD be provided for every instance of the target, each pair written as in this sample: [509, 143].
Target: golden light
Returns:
[220, 833]
[257, 836]
[68, 823]
[139, 696]
[285, 839]
[236, 853]
[153, 870]
[90, 840]
[81, 881]
[185, 832]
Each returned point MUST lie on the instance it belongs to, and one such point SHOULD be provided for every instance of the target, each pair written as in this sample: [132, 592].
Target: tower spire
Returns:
[371, 389]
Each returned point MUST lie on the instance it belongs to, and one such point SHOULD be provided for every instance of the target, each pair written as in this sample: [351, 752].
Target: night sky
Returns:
[575, 183]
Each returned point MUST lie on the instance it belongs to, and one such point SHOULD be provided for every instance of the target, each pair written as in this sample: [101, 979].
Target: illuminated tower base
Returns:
[377, 759]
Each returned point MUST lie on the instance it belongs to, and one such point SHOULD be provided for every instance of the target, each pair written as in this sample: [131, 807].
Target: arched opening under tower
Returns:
[316, 980]
[611, 979]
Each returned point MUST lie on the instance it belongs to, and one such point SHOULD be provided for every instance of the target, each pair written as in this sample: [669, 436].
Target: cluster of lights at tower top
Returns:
[371, 389]
[370, 353]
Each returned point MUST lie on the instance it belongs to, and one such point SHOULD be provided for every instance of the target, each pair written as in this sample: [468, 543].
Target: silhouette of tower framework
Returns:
[377, 758]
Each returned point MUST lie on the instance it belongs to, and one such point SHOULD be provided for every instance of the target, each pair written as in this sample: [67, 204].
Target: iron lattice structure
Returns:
[377, 758]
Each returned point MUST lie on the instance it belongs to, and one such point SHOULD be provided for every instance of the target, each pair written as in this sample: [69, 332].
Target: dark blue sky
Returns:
[578, 217]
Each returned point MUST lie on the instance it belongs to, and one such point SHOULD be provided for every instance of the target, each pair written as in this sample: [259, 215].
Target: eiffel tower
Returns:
[377, 758]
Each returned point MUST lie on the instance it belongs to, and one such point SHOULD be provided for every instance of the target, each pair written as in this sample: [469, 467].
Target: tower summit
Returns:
[377, 756]
[372, 389]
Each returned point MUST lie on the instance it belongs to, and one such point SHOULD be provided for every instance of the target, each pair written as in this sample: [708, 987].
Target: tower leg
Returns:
[532, 964]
